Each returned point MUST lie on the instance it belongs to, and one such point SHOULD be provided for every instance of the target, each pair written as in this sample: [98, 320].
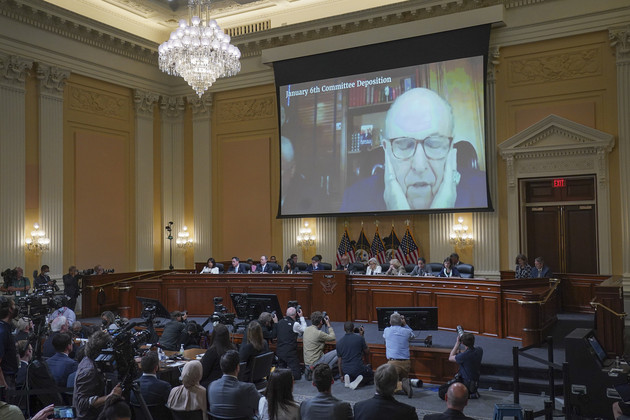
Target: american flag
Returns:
[345, 248]
[407, 252]
[362, 251]
[391, 245]
[378, 248]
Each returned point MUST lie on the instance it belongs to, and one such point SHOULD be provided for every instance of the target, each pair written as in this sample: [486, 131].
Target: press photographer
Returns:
[314, 341]
[71, 286]
[174, 332]
[43, 281]
[14, 281]
[288, 331]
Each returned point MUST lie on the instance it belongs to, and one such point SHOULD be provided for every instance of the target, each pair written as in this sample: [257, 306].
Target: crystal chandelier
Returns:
[38, 242]
[460, 236]
[198, 50]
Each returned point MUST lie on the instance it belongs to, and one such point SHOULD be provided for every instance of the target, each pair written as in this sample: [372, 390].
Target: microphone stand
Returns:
[169, 229]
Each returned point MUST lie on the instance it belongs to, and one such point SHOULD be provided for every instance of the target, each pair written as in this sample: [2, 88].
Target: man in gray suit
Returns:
[228, 397]
[324, 405]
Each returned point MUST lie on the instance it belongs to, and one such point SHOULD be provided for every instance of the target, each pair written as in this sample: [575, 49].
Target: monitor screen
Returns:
[387, 128]
[597, 348]
[418, 318]
[251, 305]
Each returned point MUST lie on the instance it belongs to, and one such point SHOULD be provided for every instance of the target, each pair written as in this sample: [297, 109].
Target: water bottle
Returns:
[181, 350]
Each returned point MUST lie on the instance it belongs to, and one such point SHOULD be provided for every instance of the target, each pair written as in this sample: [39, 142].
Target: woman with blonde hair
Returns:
[190, 396]
[395, 268]
[373, 267]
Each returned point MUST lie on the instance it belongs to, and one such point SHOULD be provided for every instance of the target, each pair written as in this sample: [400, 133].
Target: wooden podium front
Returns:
[329, 294]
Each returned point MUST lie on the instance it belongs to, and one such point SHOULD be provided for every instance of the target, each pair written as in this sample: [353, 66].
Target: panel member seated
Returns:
[448, 270]
[373, 267]
[522, 270]
[263, 267]
[210, 267]
[236, 266]
[345, 263]
[419, 270]
[315, 264]
[540, 269]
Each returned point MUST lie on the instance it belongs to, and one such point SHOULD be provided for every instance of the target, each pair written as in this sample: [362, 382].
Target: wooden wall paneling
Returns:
[174, 299]
[199, 302]
[303, 296]
[388, 298]
[512, 322]
[361, 305]
[466, 315]
[491, 321]
[329, 293]
[152, 290]
[424, 298]
[610, 327]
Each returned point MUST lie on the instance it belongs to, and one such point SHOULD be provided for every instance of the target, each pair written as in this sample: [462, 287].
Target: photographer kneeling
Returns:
[89, 384]
[469, 361]
[314, 340]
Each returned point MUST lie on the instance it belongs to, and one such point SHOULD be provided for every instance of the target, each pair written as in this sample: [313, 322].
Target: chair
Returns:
[241, 372]
[159, 411]
[409, 268]
[261, 368]
[247, 266]
[384, 267]
[326, 266]
[466, 270]
[302, 266]
[275, 267]
[357, 267]
[434, 268]
[508, 410]
[221, 267]
[186, 415]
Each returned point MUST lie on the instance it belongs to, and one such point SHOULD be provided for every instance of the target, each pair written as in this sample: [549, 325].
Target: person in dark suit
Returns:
[236, 266]
[315, 264]
[264, 267]
[175, 332]
[229, 398]
[448, 270]
[383, 404]
[71, 286]
[456, 399]
[540, 269]
[154, 391]
[60, 364]
[324, 405]
[345, 263]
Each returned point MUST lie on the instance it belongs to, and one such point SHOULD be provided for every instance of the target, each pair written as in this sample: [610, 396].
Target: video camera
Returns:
[39, 305]
[294, 304]
[9, 275]
[221, 315]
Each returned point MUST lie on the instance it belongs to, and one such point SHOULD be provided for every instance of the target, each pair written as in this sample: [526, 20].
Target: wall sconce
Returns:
[305, 238]
[183, 238]
[460, 236]
[38, 242]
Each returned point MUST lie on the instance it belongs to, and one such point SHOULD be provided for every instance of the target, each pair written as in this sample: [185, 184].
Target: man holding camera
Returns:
[469, 361]
[288, 331]
[314, 341]
[71, 286]
[397, 337]
[174, 331]
[350, 350]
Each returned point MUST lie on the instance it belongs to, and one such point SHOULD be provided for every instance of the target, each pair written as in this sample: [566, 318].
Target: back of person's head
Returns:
[316, 318]
[468, 339]
[291, 311]
[348, 326]
[97, 342]
[395, 319]
[279, 391]
[149, 362]
[175, 315]
[115, 409]
[457, 396]
[229, 362]
[22, 347]
[221, 339]
[255, 335]
[265, 318]
[386, 379]
[5, 306]
[191, 373]
[322, 377]
[57, 324]
[23, 323]
[61, 342]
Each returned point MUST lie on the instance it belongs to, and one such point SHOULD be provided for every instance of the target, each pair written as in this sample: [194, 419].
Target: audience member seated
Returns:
[469, 361]
[315, 264]
[24, 328]
[324, 405]
[210, 267]
[397, 337]
[313, 342]
[278, 402]
[344, 263]
[395, 268]
[264, 266]
[58, 325]
[60, 364]
[190, 396]
[286, 348]
[81, 331]
[350, 351]
[115, 408]
[522, 270]
[154, 391]
[383, 405]
[109, 321]
[211, 359]
[39, 378]
[540, 269]
[419, 270]
[237, 267]
[255, 345]
[456, 399]
[229, 398]
[174, 332]
[448, 270]
[373, 267]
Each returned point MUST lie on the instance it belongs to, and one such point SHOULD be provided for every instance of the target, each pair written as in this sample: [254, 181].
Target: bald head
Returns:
[457, 396]
[291, 311]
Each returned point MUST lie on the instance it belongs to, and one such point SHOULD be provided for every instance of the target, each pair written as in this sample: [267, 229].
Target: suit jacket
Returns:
[154, 391]
[241, 269]
[449, 414]
[417, 271]
[268, 268]
[61, 366]
[454, 272]
[382, 407]
[230, 398]
[311, 268]
[325, 406]
[546, 272]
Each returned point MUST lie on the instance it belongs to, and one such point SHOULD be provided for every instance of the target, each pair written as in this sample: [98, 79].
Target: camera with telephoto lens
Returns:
[39, 305]
[221, 315]
[294, 304]
[460, 331]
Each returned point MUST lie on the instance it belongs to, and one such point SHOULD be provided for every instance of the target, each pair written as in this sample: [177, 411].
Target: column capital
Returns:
[13, 70]
[200, 106]
[493, 64]
[620, 40]
[51, 80]
[172, 106]
[144, 101]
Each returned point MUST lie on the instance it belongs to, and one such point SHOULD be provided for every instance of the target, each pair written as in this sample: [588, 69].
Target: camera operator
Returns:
[397, 337]
[44, 280]
[469, 361]
[64, 311]
[350, 351]
[288, 331]
[314, 341]
[174, 332]
[8, 352]
[24, 329]
[15, 281]
[71, 286]
[59, 325]
[89, 384]
[269, 324]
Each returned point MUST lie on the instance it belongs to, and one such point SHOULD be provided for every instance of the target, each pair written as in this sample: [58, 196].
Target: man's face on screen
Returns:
[423, 116]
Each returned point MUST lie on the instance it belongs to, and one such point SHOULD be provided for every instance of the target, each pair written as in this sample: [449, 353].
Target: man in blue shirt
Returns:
[397, 337]
[469, 361]
[350, 350]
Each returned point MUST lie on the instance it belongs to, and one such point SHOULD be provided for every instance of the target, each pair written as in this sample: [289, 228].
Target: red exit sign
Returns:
[559, 183]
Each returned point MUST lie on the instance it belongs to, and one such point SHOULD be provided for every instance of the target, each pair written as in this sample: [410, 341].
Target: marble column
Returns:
[13, 71]
[290, 231]
[144, 103]
[326, 237]
[202, 175]
[172, 175]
